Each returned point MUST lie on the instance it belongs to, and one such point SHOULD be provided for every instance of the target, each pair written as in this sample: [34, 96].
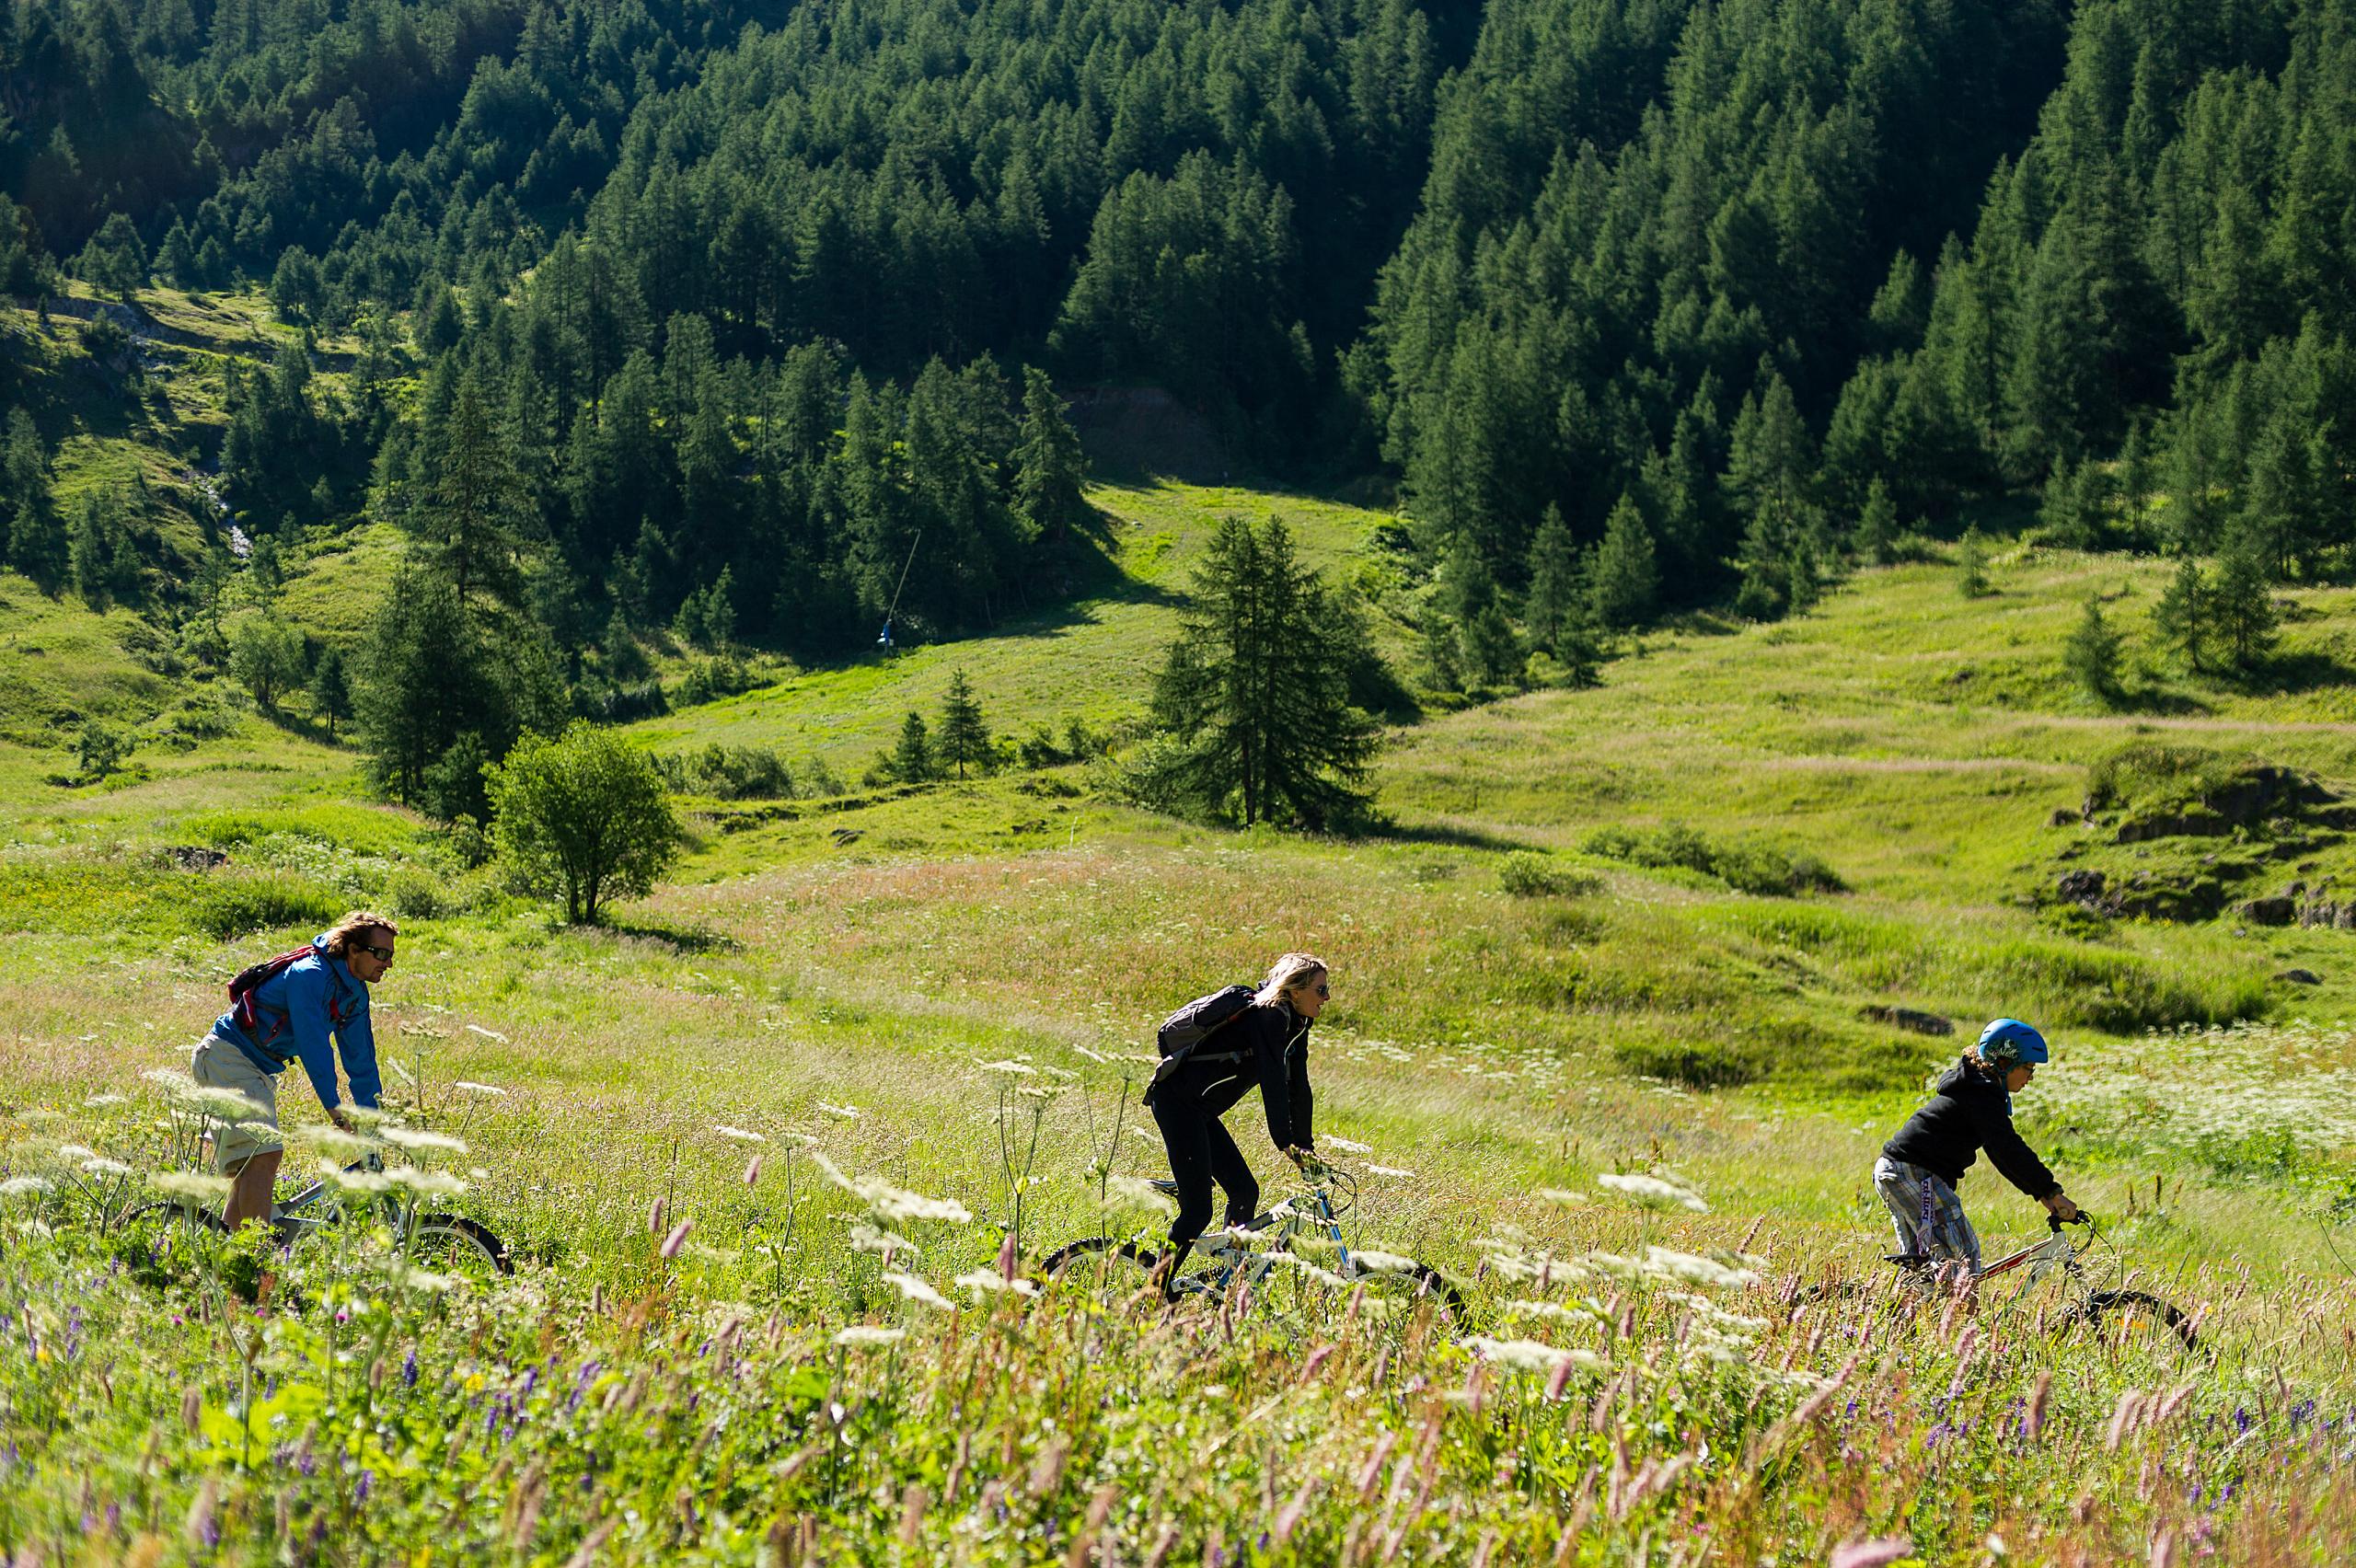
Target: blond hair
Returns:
[339, 935]
[1288, 974]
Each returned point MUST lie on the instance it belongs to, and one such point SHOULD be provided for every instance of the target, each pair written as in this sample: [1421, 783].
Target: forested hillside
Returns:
[655, 315]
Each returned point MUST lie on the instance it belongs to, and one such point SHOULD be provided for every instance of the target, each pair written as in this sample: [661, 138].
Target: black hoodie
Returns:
[1969, 1112]
[1264, 1045]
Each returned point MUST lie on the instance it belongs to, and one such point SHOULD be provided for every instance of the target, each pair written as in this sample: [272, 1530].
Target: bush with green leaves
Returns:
[584, 818]
[234, 906]
[1526, 874]
[1746, 866]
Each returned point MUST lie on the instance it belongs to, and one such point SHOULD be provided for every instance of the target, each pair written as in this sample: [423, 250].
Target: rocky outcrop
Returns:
[2275, 909]
[1912, 1020]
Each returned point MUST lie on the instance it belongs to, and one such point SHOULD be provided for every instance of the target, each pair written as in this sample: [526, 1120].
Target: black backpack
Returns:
[1181, 1036]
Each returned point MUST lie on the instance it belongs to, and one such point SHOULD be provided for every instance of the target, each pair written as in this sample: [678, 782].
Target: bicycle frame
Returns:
[1287, 1225]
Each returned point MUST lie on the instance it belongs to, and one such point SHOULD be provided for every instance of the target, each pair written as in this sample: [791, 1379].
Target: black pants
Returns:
[1202, 1153]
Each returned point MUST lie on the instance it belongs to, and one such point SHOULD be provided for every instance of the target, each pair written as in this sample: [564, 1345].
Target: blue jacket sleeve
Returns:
[304, 992]
[357, 1040]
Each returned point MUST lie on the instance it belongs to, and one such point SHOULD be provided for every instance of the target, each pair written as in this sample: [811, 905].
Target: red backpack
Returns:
[250, 979]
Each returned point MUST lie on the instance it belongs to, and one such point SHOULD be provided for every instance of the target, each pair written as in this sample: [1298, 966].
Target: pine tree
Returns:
[2091, 656]
[1877, 531]
[424, 682]
[114, 259]
[2181, 618]
[1467, 624]
[2135, 477]
[2241, 604]
[1050, 467]
[911, 761]
[1255, 691]
[1624, 577]
[90, 551]
[1556, 588]
[1971, 562]
[963, 738]
[626, 661]
[330, 690]
[476, 518]
[36, 539]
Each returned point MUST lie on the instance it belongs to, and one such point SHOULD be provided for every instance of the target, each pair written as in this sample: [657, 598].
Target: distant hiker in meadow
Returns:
[1971, 1110]
[1214, 1050]
[283, 1010]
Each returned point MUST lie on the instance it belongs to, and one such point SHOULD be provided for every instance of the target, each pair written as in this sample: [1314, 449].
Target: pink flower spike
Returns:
[654, 1218]
[1006, 1260]
[753, 1171]
[1877, 1551]
[677, 1239]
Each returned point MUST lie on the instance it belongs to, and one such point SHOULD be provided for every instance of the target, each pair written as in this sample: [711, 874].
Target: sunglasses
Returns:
[381, 954]
[1319, 989]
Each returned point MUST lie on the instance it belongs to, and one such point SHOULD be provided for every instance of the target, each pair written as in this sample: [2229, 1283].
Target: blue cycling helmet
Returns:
[2008, 1041]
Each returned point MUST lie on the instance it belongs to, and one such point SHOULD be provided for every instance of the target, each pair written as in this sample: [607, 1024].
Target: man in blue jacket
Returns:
[289, 1016]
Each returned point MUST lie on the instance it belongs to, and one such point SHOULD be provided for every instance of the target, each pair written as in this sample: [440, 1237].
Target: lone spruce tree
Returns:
[2091, 656]
[963, 738]
[2182, 616]
[1255, 690]
[2242, 605]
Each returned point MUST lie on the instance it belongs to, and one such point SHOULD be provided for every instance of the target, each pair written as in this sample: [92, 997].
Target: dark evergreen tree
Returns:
[1253, 692]
[2241, 606]
[912, 761]
[114, 259]
[1623, 579]
[2092, 654]
[331, 689]
[36, 538]
[963, 740]
[2181, 618]
[1877, 531]
[1557, 587]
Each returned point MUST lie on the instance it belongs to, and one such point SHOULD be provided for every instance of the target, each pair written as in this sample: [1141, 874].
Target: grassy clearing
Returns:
[844, 971]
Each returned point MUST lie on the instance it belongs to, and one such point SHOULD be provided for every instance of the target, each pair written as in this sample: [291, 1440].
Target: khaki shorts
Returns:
[217, 1064]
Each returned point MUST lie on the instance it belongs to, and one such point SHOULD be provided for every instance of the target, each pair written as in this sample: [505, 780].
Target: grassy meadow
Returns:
[712, 1349]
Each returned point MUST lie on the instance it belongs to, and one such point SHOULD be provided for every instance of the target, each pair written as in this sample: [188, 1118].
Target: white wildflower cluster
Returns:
[2182, 1090]
[418, 1140]
[1665, 1263]
[1530, 1355]
[1654, 1192]
[1135, 1192]
[990, 1282]
[191, 1186]
[895, 1206]
[868, 1238]
[918, 1290]
[861, 1336]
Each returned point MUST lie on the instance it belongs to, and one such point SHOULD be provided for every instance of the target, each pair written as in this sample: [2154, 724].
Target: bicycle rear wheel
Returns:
[1128, 1266]
[2131, 1318]
[453, 1244]
[1410, 1287]
[177, 1233]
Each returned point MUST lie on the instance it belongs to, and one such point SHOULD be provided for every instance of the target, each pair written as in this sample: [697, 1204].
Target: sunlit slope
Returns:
[1093, 659]
[1918, 740]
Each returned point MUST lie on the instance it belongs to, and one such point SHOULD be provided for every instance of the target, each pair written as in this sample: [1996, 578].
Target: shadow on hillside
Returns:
[680, 938]
[2156, 702]
[2292, 675]
[1453, 836]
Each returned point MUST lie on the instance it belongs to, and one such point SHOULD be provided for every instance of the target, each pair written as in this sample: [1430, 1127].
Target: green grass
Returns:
[1512, 1013]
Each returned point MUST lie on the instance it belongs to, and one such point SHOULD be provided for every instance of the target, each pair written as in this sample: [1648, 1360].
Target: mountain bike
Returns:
[434, 1239]
[2123, 1316]
[1249, 1253]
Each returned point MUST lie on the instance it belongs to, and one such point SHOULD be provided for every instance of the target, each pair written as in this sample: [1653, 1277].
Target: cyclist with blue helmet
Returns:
[1970, 1111]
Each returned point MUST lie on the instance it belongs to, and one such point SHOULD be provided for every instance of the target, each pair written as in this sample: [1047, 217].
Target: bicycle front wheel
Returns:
[453, 1244]
[1410, 1287]
[2131, 1317]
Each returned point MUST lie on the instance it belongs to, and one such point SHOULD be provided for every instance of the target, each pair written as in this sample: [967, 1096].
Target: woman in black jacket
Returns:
[1970, 1111]
[1267, 1046]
